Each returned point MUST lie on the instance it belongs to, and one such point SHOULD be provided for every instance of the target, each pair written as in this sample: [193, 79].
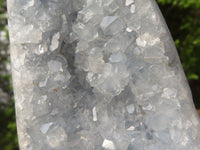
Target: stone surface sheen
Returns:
[98, 75]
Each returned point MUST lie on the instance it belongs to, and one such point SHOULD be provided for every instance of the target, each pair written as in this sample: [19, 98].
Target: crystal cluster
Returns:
[98, 75]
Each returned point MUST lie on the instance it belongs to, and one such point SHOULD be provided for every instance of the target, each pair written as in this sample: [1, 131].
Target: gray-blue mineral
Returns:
[98, 75]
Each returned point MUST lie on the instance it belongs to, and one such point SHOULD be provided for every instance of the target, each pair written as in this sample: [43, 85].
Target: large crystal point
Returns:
[98, 75]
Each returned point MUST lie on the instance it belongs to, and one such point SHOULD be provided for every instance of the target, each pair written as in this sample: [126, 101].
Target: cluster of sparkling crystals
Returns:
[98, 75]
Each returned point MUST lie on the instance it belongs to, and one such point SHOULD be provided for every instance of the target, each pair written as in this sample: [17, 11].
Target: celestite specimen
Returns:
[98, 75]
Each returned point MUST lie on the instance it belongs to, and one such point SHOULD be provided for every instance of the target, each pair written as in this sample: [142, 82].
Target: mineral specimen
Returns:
[98, 75]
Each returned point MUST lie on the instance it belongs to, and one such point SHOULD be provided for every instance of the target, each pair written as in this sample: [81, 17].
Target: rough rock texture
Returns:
[98, 75]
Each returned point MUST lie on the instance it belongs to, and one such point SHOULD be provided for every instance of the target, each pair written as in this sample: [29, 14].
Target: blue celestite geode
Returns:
[98, 75]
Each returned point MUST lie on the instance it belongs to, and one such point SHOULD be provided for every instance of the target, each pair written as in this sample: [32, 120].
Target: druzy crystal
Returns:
[98, 75]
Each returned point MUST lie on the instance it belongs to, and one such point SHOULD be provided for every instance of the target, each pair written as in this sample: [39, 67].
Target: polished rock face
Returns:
[98, 75]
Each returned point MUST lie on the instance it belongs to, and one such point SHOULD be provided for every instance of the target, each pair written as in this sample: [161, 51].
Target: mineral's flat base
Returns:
[98, 75]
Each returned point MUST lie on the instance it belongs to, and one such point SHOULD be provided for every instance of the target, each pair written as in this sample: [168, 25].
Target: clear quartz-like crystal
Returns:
[98, 75]
[129, 2]
[45, 127]
[108, 144]
[55, 41]
[107, 21]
